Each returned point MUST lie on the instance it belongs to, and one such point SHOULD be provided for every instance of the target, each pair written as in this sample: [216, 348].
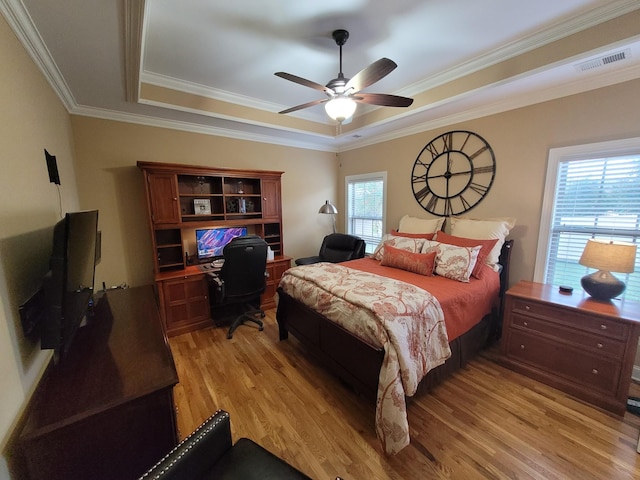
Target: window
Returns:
[592, 191]
[366, 206]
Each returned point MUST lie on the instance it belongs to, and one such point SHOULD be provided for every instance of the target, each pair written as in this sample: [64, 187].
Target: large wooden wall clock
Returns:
[453, 173]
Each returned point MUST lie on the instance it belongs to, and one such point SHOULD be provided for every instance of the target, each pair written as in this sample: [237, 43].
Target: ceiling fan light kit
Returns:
[343, 94]
[340, 108]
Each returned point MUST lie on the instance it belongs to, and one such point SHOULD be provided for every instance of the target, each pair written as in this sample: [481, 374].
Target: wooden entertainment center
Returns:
[106, 410]
[183, 198]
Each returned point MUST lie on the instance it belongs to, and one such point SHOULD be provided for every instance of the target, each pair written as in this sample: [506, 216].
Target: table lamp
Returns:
[606, 257]
[330, 208]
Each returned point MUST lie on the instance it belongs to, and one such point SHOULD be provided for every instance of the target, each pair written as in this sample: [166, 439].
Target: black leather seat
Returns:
[336, 248]
[242, 279]
[208, 453]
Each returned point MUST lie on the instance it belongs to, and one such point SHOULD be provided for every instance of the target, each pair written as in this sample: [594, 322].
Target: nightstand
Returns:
[572, 342]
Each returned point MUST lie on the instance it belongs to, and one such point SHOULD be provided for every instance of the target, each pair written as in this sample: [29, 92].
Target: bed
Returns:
[317, 304]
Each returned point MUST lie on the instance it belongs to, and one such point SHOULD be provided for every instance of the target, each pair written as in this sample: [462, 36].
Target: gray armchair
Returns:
[336, 248]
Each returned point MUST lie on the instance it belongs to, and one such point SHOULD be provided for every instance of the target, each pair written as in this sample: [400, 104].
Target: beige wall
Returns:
[109, 180]
[32, 119]
[521, 140]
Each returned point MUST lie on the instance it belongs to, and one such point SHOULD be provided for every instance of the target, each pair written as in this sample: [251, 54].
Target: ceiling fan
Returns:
[343, 93]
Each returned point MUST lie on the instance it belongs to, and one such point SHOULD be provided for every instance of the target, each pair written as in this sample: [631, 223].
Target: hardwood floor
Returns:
[485, 422]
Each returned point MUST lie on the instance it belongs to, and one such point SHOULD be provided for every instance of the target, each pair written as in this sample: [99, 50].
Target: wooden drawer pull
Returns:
[594, 371]
[521, 347]
[526, 324]
[603, 327]
[599, 345]
[527, 307]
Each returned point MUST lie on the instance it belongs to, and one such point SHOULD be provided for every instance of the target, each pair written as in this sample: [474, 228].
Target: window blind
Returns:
[365, 208]
[599, 199]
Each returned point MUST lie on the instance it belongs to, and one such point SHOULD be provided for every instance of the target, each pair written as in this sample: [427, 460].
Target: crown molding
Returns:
[22, 25]
[171, 124]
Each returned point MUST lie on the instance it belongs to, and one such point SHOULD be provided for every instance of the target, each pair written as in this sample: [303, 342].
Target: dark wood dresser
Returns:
[106, 411]
[572, 342]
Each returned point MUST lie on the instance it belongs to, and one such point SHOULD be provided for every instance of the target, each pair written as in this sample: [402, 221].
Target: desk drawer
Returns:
[597, 343]
[573, 318]
[563, 361]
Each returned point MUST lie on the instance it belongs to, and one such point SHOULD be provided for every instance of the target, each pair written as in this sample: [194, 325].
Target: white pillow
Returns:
[413, 245]
[420, 225]
[484, 230]
[455, 262]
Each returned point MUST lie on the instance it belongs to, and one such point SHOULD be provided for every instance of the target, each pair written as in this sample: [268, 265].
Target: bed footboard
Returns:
[350, 358]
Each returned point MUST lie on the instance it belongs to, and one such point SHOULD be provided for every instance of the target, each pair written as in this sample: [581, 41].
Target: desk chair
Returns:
[242, 278]
[335, 248]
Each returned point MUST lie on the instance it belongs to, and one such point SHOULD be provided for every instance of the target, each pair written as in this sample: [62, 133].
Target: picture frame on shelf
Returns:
[202, 206]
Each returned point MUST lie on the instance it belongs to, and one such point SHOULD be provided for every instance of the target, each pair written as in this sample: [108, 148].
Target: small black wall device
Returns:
[52, 167]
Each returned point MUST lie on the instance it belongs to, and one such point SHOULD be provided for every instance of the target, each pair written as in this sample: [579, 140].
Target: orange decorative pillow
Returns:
[426, 236]
[421, 263]
[487, 246]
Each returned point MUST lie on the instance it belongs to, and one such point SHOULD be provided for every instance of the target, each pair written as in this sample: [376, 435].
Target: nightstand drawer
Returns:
[597, 343]
[574, 319]
[563, 361]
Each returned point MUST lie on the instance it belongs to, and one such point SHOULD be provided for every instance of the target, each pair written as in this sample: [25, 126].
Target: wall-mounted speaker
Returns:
[52, 167]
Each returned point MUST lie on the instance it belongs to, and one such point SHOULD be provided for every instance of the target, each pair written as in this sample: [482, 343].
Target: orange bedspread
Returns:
[463, 304]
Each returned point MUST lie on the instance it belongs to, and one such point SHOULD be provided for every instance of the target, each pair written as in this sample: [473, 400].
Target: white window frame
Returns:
[361, 178]
[614, 148]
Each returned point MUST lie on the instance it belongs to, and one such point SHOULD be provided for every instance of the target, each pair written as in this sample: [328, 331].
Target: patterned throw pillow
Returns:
[413, 245]
[487, 246]
[421, 263]
[455, 262]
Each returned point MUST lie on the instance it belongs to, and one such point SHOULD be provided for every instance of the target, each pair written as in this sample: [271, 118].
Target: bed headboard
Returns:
[505, 260]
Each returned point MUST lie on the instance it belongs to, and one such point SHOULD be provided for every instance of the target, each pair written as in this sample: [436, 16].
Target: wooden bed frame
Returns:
[358, 363]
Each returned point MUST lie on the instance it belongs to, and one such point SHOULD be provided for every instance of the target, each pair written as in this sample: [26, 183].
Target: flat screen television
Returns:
[68, 286]
[211, 241]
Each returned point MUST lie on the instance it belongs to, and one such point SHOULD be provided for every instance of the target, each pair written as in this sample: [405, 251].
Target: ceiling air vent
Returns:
[604, 60]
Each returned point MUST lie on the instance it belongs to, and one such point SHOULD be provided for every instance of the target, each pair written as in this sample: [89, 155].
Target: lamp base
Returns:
[601, 285]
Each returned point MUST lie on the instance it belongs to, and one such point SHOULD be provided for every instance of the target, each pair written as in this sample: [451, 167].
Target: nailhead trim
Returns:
[199, 432]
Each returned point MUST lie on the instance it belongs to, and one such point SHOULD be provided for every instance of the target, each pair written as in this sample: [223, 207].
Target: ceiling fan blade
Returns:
[383, 99]
[304, 105]
[370, 75]
[304, 81]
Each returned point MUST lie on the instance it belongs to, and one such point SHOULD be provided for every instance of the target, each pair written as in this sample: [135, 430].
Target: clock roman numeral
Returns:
[481, 150]
[431, 204]
[433, 150]
[448, 141]
[480, 189]
[465, 205]
[448, 209]
[422, 193]
[487, 169]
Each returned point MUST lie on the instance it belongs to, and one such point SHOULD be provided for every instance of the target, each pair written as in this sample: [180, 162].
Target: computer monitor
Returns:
[211, 241]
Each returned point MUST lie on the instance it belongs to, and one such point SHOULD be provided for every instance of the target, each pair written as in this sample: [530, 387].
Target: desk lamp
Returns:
[606, 257]
[331, 209]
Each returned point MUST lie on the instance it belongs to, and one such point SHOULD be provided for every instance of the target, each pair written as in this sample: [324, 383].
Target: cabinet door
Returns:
[163, 198]
[271, 198]
[186, 303]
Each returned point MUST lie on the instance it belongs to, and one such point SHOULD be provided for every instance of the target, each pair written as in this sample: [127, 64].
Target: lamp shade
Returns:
[609, 256]
[340, 108]
[328, 207]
